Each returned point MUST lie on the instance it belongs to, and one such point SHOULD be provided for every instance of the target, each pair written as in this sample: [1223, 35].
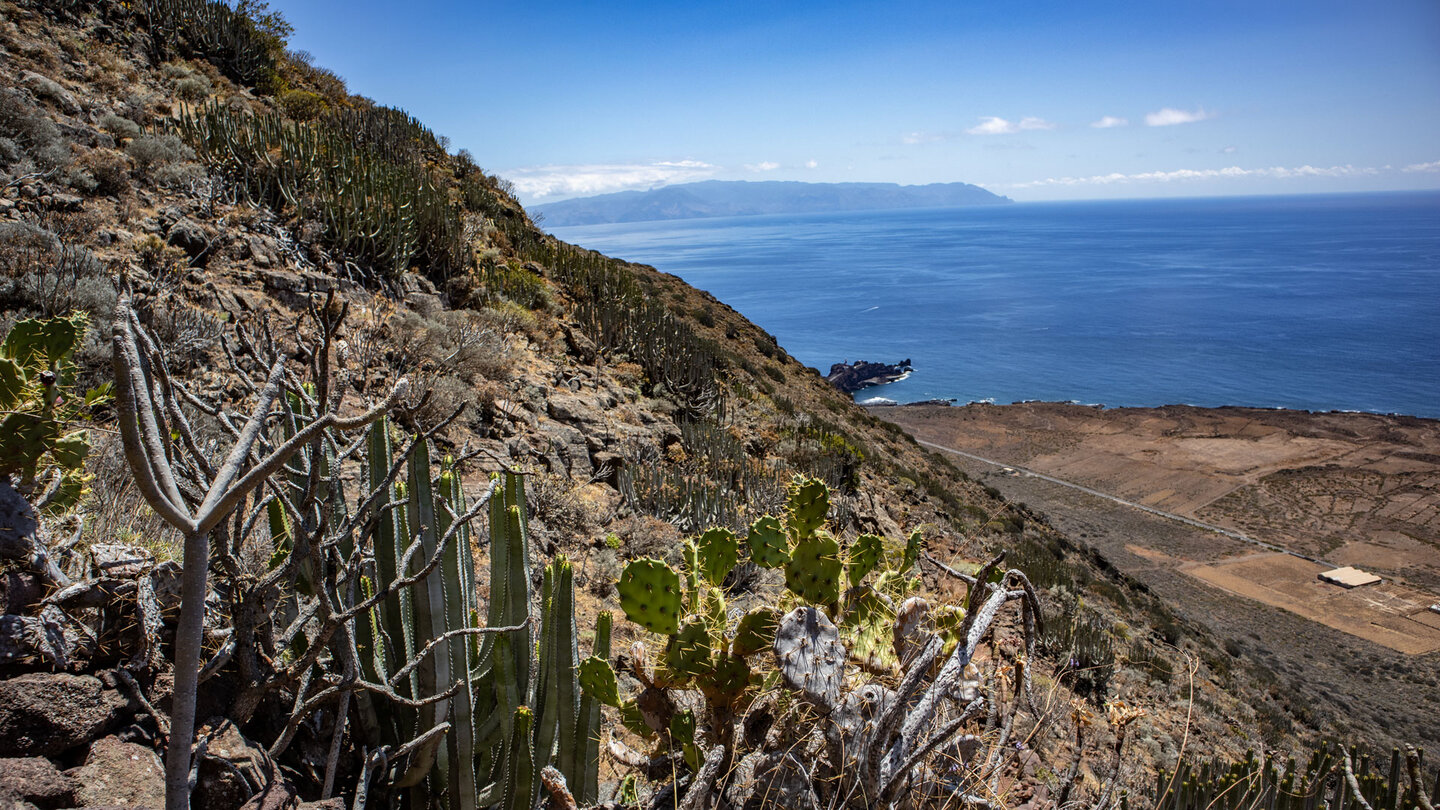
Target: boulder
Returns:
[232, 764]
[47, 88]
[35, 780]
[568, 447]
[189, 236]
[45, 713]
[120, 773]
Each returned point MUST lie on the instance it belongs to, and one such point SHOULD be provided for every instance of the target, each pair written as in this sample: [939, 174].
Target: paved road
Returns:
[1142, 507]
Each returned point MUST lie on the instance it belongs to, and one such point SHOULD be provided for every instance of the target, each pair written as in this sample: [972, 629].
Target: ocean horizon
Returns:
[1312, 302]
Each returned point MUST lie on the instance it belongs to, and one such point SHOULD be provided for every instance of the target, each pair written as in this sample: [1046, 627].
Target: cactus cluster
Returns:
[37, 410]
[362, 175]
[518, 706]
[625, 319]
[210, 30]
[1324, 779]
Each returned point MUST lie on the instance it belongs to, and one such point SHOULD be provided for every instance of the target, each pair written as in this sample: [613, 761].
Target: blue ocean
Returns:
[1325, 302]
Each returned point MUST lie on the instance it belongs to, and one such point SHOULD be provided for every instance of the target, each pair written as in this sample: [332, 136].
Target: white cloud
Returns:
[1229, 150]
[812, 164]
[1109, 122]
[913, 138]
[993, 125]
[541, 182]
[763, 166]
[1432, 166]
[1171, 116]
[1182, 175]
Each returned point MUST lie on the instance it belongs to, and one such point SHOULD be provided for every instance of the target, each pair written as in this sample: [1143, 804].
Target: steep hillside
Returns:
[256, 213]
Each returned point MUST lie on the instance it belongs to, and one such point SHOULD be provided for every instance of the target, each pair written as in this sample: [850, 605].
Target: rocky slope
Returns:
[644, 410]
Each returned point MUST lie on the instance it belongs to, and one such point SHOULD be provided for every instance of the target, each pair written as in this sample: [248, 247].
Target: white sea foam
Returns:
[878, 401]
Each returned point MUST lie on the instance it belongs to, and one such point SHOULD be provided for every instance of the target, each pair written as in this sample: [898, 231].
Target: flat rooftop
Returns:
[1349, 577]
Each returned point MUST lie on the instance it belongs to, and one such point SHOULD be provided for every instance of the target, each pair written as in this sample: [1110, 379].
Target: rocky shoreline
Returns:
[852, 377]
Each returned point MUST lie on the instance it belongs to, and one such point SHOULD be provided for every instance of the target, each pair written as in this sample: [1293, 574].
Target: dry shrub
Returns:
[193, 88]
[120, 127]
[113, 509]
[109, 170]
[45, 268]
[35, 143]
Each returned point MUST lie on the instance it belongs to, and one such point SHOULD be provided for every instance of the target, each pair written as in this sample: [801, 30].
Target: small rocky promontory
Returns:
[851, 377]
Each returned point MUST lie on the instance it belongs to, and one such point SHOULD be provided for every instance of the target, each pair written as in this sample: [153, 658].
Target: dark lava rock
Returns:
[35, 780]
[187, 235]
[120, 773]
[851, 377]
[45, 714]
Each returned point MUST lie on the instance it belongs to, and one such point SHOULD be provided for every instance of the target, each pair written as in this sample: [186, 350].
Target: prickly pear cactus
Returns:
[865, 555]
[682, 733]
[814, 570]
[912, 552]
[769, 547]
[717, 552]
[598, 680]
[650, 596]
[810, 655]
[948, 620]
[756, 631]
[688, 653]
[869, 628]
[809, 501]
[727, 679]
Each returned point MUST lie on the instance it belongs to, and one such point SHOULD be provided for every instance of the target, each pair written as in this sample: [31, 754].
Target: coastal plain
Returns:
[1230, 515]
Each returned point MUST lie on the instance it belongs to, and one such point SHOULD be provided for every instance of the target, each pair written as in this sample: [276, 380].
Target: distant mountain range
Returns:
[734, 198]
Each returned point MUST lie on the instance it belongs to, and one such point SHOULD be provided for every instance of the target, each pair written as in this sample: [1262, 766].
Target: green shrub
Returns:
[193, 88]
[122, 128]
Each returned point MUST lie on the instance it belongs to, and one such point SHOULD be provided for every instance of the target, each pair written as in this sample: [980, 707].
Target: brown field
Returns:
[1387, 614]
[1352, 489]
[1341, 489]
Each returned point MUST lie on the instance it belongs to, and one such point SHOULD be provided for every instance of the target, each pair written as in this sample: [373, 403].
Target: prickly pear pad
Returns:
[768, 545]
[864, 555]
[814, 570]
[727, 681]
[756, 631]
[719, 550]
[809, 501]
[598, 680]
[912, 551]
[650, 596]
[869, 627]
[688, 653]
[810, 655]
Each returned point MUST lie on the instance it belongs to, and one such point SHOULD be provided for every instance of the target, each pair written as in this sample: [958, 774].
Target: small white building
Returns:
[1349, 577]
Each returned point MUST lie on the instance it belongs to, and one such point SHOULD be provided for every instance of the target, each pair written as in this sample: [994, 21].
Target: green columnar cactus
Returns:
[585, 781]
[519, 793]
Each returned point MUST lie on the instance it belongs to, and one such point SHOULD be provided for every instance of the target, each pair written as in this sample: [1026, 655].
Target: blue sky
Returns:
[1036, 100]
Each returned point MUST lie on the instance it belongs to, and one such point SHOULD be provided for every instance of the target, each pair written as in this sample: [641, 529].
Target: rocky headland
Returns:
[852, 377]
